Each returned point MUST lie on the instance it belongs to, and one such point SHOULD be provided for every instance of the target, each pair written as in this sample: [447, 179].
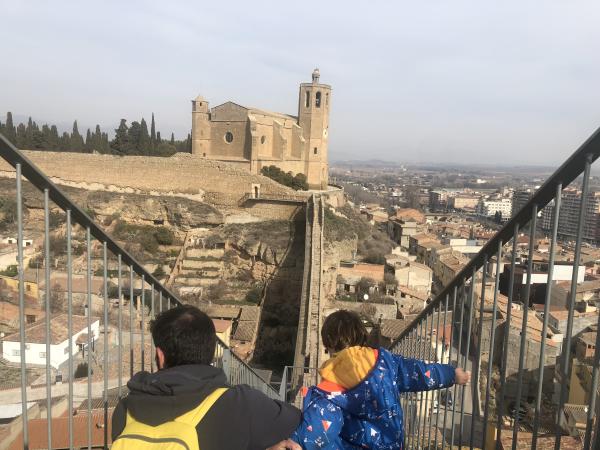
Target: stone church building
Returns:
[254, 138]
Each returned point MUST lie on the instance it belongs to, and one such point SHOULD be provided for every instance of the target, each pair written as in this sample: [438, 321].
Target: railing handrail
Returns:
[35, 176]
[564, 175]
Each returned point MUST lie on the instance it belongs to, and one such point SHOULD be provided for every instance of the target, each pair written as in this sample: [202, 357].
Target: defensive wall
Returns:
[221, 184]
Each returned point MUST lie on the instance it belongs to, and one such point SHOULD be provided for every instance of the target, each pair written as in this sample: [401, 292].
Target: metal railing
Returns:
[93, 327]
[516, 356]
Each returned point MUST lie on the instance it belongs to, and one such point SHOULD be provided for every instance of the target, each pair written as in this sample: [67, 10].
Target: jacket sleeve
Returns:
[321, 425]
[270, 421]
[415, 375]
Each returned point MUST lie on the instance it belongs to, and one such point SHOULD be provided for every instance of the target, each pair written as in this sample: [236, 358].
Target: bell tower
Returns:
[313, 117]
[200, 127]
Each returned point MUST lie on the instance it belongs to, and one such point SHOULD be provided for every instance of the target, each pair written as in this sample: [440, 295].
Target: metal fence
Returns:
[106, 337]
[516, 357]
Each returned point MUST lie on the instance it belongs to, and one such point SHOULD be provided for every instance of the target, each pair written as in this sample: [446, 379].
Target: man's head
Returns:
[343, 329]
[183, 335]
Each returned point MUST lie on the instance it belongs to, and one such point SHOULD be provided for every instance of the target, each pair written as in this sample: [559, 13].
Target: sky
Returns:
[510, 82]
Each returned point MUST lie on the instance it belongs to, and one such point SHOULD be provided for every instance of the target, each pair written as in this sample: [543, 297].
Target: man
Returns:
[237, 417]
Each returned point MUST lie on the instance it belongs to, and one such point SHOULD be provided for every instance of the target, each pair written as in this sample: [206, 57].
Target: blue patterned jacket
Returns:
[369, 415]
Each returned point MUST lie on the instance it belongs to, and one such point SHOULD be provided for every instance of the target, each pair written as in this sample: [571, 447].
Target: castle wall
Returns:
[215, 182]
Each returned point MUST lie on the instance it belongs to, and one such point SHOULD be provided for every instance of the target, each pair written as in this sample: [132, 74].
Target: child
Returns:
[357, 403]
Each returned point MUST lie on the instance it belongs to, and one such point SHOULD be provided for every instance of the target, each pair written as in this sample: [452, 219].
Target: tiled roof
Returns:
[36, 333]
[38, 429]
[392, 328]
[245, 331]
[221, 326]
[222, 312]
[250, 313]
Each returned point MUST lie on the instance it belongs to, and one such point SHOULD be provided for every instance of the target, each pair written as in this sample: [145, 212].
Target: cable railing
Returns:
[94, 333]
[521, 363]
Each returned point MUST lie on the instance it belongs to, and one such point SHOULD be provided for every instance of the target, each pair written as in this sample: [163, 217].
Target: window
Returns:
[204, 154]
[327, 99]
[43, 355]
[229, 137]
[318, 100]
[28, 287]
[315, 150]
[307, 99]
[263, 139]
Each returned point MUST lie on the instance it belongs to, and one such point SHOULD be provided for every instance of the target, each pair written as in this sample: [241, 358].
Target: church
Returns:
[253, 138]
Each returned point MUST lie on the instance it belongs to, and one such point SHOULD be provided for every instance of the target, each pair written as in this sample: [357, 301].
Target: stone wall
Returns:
[214, 182]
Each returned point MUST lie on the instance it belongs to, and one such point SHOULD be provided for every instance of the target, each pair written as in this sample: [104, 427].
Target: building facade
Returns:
[255, 138]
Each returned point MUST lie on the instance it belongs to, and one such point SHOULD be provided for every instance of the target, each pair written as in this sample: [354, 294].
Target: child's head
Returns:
[343, 329]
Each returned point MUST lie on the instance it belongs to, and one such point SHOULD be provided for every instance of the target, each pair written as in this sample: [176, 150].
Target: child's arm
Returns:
[415, 375]
[320, 427]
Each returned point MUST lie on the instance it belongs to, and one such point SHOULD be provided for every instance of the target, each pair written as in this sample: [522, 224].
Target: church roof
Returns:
[265, 112]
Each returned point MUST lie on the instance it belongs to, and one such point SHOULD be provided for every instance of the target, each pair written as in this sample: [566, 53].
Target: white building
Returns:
[490, 207]
[35, 341]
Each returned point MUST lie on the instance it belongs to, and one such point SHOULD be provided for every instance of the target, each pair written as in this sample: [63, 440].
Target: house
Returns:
[415, 276]
[223, 330]
[35, 341]
[12, 283]
[350, 273]
[400, 231]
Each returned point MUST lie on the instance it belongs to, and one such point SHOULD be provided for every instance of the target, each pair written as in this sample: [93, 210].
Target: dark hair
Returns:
[186, 335]
[343, 329]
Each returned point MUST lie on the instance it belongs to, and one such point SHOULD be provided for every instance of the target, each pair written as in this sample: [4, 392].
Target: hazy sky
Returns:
[498, 82]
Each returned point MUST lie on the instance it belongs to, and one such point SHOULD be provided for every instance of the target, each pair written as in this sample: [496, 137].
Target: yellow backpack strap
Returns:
[194, 416]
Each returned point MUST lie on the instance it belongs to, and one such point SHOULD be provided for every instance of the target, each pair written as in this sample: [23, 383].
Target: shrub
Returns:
[159, 272]
[10, 271]
[297, 182]
[254, 295]
[164, 236]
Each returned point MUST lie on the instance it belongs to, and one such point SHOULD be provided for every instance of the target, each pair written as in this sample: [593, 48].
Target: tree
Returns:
[135, 131]
[158, 139]
[9, 129]
[77, 144]
[89, 144]
[153, 133]
[498, 217]
[172, 139]
[120, 144]
[144, 146]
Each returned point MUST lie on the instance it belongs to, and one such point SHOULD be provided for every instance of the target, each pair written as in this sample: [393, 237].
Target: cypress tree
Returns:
[120, 144]
[158, 139]
[29, 134]
[9, 129]
[144, 145]
[89, 142]
[65, 142]
[172, 138]
[77, 144]
[153, 133]
[104, 144]
[54, 139]
[21, 139]
[135, 130]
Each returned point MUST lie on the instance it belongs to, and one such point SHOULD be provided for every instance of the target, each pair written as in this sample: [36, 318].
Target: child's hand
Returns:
[461, 377]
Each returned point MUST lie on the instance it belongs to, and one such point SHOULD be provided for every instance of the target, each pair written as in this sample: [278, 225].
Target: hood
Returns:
[349, 367]
[155, 398]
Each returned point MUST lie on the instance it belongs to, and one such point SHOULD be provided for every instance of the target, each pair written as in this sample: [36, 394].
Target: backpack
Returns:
[177, 434]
